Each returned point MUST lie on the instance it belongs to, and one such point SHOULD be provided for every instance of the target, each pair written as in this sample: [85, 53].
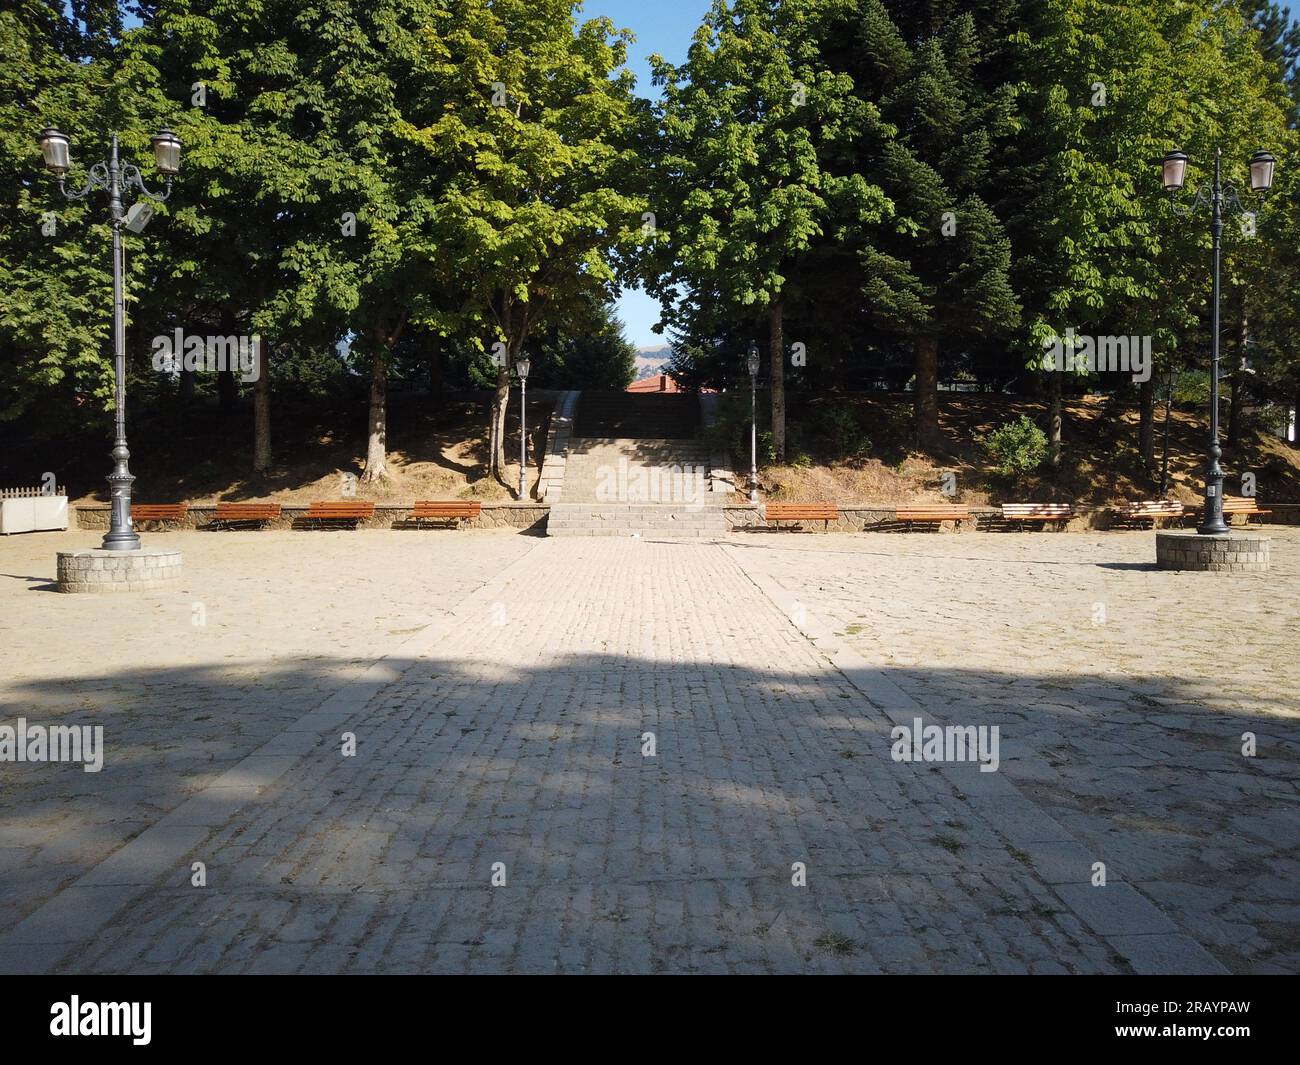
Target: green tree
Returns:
[536, 141]
[753, 123]
[941, 268]
[55, 263]
[588, 351]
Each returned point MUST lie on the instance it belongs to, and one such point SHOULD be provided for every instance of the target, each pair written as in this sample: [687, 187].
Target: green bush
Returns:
[839, 431]
[1016, 447]
[730, 432]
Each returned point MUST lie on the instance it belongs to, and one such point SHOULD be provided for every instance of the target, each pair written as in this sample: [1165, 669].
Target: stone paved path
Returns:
[1122, 694]
[510, 731]
[180, 703]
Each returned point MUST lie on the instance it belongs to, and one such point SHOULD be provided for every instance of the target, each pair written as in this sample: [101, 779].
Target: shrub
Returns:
[730, 432]
[1016, 447]
[838, 428]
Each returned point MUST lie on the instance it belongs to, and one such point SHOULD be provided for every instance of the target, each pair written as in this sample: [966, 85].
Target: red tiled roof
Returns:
[659, 383]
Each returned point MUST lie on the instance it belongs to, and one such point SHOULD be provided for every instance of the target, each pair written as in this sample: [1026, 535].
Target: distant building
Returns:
[658, 383]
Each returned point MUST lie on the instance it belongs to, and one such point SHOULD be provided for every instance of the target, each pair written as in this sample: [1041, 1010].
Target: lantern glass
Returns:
[752, 360]
[166, 152]
[1261, 171]
[54, 148]
[1174, 171]
[522, 366]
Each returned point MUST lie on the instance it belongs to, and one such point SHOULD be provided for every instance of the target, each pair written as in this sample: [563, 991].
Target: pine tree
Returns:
[940, 270]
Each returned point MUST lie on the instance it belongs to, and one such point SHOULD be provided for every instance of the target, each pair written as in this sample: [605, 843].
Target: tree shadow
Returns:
[679, 859]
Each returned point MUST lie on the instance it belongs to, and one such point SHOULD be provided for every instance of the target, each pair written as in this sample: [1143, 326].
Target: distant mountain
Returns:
[652, 360]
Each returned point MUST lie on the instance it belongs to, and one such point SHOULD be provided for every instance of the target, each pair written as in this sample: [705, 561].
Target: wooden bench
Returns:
[323, 515]
[1152, 510]
[230, 515]
[1247, 506]
[159, 512]
[933, 513]
[451, 512]
[824, 512]
[1039, 512]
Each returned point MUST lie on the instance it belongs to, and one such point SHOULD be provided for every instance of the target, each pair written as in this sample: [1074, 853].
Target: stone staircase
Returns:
[635, 467]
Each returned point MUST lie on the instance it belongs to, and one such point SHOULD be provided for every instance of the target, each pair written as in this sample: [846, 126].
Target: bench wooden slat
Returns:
[244, 514]
[1151, 510]
[802, 512]
[341, 510]
[1247, 506]
[452, 508]
[1037, 511]
[1159, 507]
[934, 512]
[352, 512]
[823, 512]
[247, 511]
[159, 511]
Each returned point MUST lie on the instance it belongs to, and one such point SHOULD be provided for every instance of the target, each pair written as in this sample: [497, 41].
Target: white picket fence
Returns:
[29, 493]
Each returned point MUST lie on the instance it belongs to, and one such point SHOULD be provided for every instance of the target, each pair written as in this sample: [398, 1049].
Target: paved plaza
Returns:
[635, 755]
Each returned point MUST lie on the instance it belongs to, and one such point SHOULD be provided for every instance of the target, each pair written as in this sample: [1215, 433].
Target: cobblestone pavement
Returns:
[286, 618]
[505, 739]
[1122, 694]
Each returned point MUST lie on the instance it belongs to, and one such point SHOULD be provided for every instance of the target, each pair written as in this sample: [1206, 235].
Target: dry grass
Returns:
[433, 453]
[1101, 464]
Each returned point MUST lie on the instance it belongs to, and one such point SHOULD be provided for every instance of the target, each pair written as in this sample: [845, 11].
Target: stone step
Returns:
[631, 519]
[625, 470]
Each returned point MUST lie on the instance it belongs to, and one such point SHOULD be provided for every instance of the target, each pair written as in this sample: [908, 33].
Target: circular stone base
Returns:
[1218, 554]
[118, 571]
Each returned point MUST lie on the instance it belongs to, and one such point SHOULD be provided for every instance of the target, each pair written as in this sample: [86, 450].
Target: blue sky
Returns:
[663, 26]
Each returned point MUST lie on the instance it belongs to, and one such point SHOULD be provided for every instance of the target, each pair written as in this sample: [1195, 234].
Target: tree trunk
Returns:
[500, 400]
[1147, 422]
[1295, 417]
[227, 390]
[377, 440]
[776, 355]
[187, 386]
[1054, 420]
[925, 400]
[1237, 397]
[262, 414]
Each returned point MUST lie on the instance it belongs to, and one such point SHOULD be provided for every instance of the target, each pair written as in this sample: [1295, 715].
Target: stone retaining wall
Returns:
[880, 517]
[867, 517]
[876, 517]
[531, 516]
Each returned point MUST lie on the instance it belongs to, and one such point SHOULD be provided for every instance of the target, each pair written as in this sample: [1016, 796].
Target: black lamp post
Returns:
[751, 363]
[114, 178]
[1216, 196]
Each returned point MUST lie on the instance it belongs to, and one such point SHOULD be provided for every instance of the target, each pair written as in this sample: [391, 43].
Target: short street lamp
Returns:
[113, 177]
[1216, 196]
[522, 366]
[752, 365]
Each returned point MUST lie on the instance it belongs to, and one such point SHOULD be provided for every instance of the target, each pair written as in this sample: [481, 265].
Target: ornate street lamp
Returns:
[1216, 196]
[752, 363]
[522, 366]
[114, 178]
